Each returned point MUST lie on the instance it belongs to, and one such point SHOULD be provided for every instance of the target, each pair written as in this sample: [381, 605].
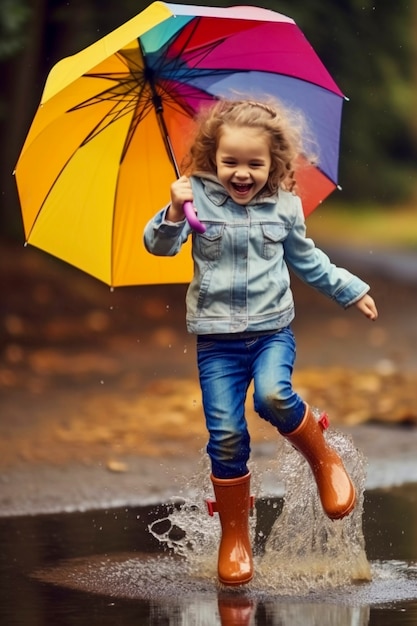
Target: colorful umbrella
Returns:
[113, 122]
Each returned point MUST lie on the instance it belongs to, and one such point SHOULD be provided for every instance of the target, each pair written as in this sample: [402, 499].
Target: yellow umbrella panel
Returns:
[90, 175]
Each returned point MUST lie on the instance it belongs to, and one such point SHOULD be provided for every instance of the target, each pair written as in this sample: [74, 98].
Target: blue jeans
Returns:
[226, 369]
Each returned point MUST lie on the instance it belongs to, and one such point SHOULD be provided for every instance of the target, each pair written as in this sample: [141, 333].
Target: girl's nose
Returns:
[241, 172]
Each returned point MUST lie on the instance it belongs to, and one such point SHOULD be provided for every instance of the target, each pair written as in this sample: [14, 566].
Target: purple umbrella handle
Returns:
[195, 224]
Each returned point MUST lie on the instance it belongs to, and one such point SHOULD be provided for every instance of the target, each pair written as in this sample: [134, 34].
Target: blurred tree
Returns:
[13, 18]
[367, 47]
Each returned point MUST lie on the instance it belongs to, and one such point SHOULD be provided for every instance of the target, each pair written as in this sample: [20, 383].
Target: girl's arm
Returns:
[168, 230]
[315, 268]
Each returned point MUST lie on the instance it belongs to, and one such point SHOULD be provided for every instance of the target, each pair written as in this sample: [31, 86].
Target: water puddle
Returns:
[157, 565]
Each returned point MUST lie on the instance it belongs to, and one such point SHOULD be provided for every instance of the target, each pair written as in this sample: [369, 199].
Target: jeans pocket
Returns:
[204, 345]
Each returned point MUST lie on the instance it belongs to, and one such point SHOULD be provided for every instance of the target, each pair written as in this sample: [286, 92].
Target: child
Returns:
[239, 303]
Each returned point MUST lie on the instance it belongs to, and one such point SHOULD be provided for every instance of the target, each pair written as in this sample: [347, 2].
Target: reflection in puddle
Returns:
[244, 612]
[176, 598]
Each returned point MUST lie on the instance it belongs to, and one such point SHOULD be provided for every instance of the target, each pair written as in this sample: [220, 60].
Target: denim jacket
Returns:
[241, 280]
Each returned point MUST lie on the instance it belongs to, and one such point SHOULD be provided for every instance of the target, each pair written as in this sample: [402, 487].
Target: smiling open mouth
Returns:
[242, 188]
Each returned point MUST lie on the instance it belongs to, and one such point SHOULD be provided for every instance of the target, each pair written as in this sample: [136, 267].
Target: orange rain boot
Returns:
[337, 493]
[235, 562]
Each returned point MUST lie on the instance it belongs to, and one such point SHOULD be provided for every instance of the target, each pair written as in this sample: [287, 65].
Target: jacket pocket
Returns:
[210, 242]
[273, 235]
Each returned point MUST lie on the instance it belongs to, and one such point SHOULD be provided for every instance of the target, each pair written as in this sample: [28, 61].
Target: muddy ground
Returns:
[99, 395]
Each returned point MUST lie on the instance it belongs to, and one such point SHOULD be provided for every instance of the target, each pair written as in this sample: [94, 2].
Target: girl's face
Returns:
[243, 161]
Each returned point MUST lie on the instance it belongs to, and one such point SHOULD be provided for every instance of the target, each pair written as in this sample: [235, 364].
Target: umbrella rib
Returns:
[122, 106]
[177, 63]
[198, 54]
[136, 120]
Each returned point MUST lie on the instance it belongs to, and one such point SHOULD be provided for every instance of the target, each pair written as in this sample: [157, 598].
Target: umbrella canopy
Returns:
[114, 120]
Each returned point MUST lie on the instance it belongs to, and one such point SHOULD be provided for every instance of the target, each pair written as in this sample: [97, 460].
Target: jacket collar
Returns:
[218, 194]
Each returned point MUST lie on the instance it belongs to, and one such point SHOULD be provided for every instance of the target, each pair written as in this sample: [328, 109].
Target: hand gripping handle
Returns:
[195, 224]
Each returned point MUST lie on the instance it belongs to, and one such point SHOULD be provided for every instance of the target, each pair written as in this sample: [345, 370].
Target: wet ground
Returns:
[104, 567]
[99, 395]
[101, 424]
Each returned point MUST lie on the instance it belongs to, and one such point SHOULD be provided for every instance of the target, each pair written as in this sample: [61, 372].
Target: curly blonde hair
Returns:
[287, 131]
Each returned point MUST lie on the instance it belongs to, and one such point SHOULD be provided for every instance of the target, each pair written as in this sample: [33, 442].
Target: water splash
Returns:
[303, 551]
[188, 531]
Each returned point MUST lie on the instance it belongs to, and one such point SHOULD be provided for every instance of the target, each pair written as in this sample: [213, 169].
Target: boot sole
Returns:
[235, 583]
